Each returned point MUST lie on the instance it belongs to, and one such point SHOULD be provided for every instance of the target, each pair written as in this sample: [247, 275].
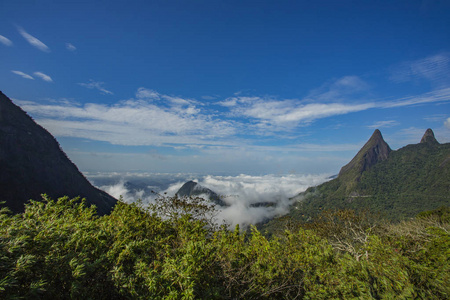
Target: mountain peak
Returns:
[192, 188]
[375, 150]
[428, 137]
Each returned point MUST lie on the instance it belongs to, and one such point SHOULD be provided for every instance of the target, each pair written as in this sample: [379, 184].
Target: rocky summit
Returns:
[32, 163]
[428, 137]
[374, 151]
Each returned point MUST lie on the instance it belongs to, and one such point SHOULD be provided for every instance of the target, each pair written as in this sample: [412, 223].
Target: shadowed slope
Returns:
[32, 163]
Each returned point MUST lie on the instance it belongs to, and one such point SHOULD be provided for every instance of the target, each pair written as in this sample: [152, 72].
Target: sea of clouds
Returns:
[250, 199]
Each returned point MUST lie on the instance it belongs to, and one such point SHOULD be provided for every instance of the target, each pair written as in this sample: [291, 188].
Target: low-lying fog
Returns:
[242, 193]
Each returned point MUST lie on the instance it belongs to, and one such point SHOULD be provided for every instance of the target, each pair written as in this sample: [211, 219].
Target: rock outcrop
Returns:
[32, 163]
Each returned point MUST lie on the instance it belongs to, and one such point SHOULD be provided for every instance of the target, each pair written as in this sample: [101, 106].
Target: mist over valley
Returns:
[249, 199]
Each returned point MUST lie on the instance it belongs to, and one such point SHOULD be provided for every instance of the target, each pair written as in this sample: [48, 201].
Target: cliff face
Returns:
[32, 163]
[374, 151]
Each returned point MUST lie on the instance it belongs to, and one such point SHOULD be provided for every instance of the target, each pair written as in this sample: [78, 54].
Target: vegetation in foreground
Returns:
[62, 249]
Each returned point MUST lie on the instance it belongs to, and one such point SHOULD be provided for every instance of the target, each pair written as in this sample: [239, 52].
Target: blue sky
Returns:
[254, 87]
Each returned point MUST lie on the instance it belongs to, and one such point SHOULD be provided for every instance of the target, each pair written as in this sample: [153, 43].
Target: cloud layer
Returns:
[242, 193]
[156, 119]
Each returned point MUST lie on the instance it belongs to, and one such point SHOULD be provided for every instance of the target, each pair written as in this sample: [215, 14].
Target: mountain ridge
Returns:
[400, 184]
[32, 163]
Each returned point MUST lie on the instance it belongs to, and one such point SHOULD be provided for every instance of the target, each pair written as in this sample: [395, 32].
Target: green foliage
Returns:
[63, 250]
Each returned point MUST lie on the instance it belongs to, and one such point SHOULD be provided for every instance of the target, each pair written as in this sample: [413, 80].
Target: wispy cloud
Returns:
[383, 124]
[441, 95]
[43, 76]
[132, 122]
[97, 86]
[339, 89]
[435, 68]
[294, 112]
[153, 118]
[269, 113]
[33, 41]
[184, 106]
[70, 47]
[144, 93]
[331, 99]
[24, 75]
[5, 41]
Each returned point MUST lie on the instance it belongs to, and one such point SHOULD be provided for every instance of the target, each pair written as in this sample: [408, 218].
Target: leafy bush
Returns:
[63, 250]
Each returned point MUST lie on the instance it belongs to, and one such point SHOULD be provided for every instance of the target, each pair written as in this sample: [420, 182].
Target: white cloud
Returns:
[287, 112]
[132, 122]
[447, 123]
[70, 47]
[96, 85]
[328, 100]
[5, 41]
[144, 93]
[33, 41]
[244, 192]
[181, 105]
[43, 76]
[385, 124]
[24, 75]
[157, 119]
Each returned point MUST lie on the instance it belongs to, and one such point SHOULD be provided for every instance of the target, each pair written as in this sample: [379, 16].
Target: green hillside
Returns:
[412, 179]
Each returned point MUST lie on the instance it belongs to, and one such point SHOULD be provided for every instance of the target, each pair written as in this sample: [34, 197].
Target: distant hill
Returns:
[32, 163]
[192, 188]
[397, 184]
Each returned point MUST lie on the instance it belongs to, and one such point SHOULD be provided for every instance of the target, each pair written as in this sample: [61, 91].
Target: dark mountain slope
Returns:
[32, 163]
[398, 185]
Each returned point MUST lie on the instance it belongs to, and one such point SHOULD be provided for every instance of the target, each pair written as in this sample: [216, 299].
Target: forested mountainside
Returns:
[395, 184]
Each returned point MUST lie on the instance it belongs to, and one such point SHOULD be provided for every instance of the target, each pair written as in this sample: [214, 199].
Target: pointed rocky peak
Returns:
[428, 137]
[32, 163]
[374, 151]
